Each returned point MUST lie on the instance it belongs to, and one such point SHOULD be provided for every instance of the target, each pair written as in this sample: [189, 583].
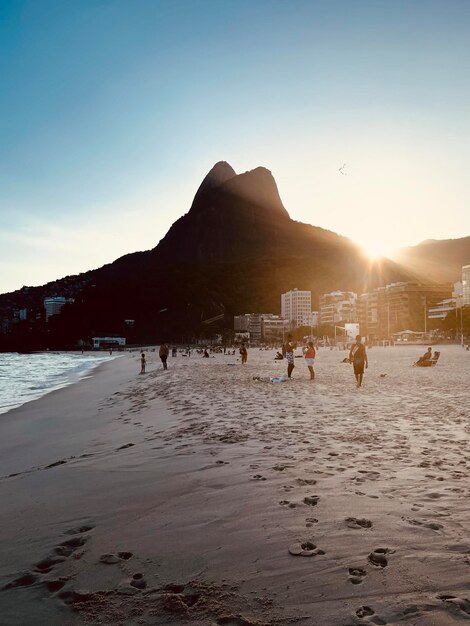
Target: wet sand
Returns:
[201, 496]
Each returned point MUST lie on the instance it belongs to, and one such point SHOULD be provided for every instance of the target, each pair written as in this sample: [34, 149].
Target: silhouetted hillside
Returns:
[235, 251]
[442, 259]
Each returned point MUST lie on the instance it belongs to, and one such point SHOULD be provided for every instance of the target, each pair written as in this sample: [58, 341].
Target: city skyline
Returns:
[111, 117]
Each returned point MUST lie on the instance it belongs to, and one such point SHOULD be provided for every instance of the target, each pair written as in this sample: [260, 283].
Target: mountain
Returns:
[235, 251]
[442, 259]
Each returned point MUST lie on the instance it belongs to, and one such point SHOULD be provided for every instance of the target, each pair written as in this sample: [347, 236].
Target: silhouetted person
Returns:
[163, 353]
[244, 353]
[288, 350]
[427, 356]
[358, 357]
[142, 363]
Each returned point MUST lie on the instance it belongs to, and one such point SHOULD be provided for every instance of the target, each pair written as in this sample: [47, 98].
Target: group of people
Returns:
[357, 356]
[162, 353]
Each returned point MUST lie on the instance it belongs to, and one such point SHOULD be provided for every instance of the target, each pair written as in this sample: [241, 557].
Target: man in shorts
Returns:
[358, 357]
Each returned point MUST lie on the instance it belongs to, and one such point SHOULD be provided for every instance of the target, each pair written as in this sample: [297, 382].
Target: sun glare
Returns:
[376, 248]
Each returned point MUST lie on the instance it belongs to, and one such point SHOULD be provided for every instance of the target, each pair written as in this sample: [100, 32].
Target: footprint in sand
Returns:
[306, 548]
[462, 603]
[258, 477]
[310, 521]
[368, 614]
[430, 525]
[354, 522]
[112, 559]
[66, 548]
[59, 555]
[138, 581]
[378, 558]
[311, 500]
[356, 575]
[24, 580]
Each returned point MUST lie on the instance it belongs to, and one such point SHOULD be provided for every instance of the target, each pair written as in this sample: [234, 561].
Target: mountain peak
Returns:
[257, 187]
[219, 174]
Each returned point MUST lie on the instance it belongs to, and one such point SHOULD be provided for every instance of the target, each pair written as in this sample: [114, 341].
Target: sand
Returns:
[201, 496]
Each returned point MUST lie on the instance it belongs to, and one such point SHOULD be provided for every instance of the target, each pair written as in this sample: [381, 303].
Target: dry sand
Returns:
[175, 497]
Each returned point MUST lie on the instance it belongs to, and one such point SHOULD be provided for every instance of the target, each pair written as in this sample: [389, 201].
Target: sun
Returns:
[376, 248]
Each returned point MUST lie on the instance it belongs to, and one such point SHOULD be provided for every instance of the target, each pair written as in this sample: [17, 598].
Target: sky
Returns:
[113, 111]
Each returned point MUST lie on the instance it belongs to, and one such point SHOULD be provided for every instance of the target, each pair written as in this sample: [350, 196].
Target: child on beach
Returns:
[244, 353]
[142, 363]
[310, 359]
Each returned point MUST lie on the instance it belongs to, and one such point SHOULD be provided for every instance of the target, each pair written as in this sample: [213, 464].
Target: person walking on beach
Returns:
[244, 353]
[163, 353]
[142, 362]
[358, 357]
[288, 349]
[310, 359]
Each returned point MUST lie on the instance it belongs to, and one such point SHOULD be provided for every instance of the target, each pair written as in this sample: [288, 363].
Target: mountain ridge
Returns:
[235, 250]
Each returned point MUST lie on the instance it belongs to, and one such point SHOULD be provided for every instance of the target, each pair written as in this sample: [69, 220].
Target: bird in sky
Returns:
[341, 169]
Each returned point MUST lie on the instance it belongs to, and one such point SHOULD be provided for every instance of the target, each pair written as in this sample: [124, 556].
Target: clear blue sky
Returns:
[112, 112]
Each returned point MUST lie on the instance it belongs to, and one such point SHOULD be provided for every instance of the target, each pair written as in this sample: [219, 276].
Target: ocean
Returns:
[25, 377]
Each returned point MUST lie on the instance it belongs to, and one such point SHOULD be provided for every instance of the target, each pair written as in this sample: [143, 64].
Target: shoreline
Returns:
[70, 377]
[180, 497]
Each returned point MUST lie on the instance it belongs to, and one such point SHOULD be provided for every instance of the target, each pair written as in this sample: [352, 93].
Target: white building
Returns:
[296, 306]
[466, 284]
[54, 305]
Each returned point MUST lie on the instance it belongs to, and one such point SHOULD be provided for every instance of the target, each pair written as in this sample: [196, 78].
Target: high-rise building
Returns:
[296, 306]
[54, 305]
[466, 285]
[338, 306]
[400, 306]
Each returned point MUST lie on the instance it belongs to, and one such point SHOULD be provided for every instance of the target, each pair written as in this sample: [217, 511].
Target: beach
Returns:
[199, 495]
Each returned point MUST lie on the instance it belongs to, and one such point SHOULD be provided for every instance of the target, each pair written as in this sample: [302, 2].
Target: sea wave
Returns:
[26, 377]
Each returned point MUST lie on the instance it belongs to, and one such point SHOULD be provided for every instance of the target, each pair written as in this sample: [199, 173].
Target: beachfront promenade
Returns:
[189, 496]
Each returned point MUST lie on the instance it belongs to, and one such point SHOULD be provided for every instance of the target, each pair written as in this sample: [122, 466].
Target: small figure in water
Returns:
[358, 357]
[142, 363]
[310, 359]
